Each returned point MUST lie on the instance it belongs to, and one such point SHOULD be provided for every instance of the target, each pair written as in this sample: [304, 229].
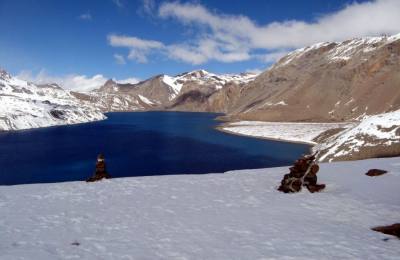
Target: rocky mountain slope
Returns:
[25, 105]
[192, 91]
[327, 82]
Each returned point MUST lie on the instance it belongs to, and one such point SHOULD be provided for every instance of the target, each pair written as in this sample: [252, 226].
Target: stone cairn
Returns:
[101, 172]
[303, 173]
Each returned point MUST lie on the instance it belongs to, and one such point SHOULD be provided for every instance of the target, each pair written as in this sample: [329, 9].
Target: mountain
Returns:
[331, 81]
[25, 105]
[208, 92]
[191, 91]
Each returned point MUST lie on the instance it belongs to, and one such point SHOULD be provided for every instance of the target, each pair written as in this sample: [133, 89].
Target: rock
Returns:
[393, 230]
[101, 172]
[375, 172]
[303, 173]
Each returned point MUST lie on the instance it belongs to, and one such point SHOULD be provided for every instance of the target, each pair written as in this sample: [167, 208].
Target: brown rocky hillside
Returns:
[325, 82]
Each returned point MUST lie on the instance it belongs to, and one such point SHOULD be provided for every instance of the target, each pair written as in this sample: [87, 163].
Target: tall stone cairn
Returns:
[101, 171]
[303, 173]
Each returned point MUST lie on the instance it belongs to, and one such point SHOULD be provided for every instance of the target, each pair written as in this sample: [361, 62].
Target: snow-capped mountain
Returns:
[25, 105]
[160, 92]
[202, 77]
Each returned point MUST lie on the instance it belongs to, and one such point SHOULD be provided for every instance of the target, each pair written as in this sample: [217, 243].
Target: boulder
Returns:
[375, 172]
[393, 230]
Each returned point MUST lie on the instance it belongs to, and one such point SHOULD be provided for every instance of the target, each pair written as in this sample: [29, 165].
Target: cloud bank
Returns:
[234, 38]
[70, 82]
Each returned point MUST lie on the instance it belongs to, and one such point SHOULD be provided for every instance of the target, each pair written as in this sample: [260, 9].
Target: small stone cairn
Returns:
[303, 173]
[101, 172]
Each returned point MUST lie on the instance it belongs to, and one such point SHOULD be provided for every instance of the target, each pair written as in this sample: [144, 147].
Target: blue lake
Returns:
[135, 144]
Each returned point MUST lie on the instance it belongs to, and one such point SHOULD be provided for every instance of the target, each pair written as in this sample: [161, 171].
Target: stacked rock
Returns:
[303, 173]
[101, 172]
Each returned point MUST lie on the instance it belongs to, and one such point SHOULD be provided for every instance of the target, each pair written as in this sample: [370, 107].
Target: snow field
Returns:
[236, 215]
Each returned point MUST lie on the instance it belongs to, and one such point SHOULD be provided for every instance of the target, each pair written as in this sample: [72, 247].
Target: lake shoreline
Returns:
[221, 129]
[228, 126]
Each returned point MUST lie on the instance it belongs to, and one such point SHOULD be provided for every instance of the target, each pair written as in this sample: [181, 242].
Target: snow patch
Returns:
[293, 132]
[146, 100]
[371, 131]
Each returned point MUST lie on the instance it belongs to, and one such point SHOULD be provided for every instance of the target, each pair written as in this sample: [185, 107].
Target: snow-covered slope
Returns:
[285, 131]
[237, 215]
[202, 77]
[377, 135]
[373, 136]
[25, 105]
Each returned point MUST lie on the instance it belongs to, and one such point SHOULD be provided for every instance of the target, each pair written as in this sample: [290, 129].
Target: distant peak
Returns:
[199, 73]
[4, 74]
[109, 82]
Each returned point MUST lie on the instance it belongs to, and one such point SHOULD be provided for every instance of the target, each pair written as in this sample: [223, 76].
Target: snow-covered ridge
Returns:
[25, 105]
[341, 50]
[236, 215]
[381, 130]
[202, 77]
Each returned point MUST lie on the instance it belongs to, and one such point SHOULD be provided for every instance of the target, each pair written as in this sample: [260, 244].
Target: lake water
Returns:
[135, 144]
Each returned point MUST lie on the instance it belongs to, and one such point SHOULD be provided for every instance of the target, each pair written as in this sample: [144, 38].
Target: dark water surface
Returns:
[135, 144]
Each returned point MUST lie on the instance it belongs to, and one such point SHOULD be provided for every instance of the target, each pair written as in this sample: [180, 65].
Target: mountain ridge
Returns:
[24, 105]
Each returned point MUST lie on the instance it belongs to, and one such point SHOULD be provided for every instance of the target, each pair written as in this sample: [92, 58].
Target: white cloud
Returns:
[119, 59]
[118, 3]
[133, 42]
[233, 38]
[255, 71]
[86, 16]
[73, 82]
[354, 20]
[138, 48]
[128, 80]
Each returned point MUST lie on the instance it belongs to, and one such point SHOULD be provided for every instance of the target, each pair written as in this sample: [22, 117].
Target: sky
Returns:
[80, 44]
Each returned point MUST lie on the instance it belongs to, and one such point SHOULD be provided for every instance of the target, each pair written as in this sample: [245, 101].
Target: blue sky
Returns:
[53, 40]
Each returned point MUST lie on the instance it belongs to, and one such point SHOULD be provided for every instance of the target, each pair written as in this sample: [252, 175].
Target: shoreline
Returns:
[51, 126]
[221, 129]
[273, 135]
